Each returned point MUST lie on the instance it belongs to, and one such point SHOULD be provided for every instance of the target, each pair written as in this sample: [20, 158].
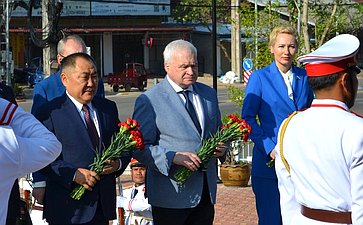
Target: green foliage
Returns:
[236, 95]
[348, 19]
[259, 26]
[200, 11]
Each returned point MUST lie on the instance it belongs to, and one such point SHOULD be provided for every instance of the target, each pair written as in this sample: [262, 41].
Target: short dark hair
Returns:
[70, 61]
[322, 82]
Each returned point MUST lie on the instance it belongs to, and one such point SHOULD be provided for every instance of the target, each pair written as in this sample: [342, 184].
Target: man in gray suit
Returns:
[175, 115]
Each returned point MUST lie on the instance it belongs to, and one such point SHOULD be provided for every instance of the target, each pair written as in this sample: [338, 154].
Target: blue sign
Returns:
[247, 64]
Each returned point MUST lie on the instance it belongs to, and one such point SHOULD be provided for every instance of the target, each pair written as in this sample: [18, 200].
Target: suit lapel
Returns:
[101, 121]
[280, 86]
[71, 110]
[297, 84]
[174, 99]
[203, 102]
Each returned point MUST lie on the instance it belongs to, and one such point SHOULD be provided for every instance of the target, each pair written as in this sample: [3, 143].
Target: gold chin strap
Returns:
[282, 134]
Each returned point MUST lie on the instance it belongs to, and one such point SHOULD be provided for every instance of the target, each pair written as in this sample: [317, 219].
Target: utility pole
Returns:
[236, 53]
[214, 43]
[50, 50]
[5, 54]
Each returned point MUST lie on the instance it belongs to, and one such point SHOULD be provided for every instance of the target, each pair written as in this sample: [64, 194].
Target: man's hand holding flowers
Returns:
[214, 146]
[86, 178]
[111, 166]
[192, 161]
[107, 162]
[220, 149]
[189, 160]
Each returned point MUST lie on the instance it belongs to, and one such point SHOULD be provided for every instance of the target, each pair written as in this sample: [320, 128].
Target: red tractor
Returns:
[134, 75]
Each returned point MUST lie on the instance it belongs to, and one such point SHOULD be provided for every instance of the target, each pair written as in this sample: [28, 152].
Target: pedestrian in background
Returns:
[319, 157]
[52, 87]
[25, 146]
[175, 115]
[273, 93]
[83, 123]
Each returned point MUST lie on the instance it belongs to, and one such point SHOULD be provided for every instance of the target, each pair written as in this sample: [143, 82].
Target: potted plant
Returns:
[234, 170]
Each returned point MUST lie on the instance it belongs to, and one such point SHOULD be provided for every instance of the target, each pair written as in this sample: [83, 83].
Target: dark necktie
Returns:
[190, 108]
[134, 193]
[91, 128]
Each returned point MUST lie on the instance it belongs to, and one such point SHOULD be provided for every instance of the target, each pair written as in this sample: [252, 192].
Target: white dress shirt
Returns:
[288, 79]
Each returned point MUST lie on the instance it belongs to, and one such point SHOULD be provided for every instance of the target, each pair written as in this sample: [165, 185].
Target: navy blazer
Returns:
[62, 118]
[167, 128]
[47, 90]
[266, 97]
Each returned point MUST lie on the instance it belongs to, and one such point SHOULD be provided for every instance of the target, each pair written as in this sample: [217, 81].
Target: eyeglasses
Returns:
[61, 58]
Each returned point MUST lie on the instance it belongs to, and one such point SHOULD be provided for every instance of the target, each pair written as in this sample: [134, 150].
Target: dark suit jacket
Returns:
[47, 90]
[13, 207]
[62, 118]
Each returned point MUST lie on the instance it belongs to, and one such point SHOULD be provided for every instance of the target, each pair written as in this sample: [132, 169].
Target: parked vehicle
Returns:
[134, 75]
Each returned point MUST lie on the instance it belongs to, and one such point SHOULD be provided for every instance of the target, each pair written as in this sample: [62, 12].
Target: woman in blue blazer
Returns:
[273, 93]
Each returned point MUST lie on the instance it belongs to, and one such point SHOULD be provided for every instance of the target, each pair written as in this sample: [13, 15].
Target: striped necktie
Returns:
[91, 128]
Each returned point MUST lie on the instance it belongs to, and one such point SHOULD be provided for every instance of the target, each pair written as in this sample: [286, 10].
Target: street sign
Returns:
[247, 64]
[246, 76]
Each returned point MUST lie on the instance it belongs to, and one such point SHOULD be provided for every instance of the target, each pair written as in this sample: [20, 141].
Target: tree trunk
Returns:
[304, 26]
[328, 25]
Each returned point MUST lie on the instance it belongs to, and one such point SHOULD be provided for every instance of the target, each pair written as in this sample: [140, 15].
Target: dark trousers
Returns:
[267, 201]
[13, 205]
[98, 219]
[202, 214]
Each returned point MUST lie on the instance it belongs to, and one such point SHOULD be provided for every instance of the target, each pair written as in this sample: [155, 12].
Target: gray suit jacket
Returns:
[167, 128]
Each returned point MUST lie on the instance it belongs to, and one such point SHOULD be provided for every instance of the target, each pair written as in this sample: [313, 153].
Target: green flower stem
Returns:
[209, 146]
[122, 143]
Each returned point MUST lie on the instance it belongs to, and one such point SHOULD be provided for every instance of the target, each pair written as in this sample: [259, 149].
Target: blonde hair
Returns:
[282, 30]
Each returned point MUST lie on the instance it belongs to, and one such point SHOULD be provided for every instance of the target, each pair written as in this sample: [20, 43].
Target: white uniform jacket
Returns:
[25, 146]
[324, 147]
[137, 209]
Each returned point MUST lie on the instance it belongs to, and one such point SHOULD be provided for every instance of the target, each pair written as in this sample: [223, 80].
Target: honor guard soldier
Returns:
[134, 200]
[319, 157]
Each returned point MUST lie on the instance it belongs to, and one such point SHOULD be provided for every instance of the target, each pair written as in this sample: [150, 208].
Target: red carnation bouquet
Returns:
[232, 129]
[129, 137]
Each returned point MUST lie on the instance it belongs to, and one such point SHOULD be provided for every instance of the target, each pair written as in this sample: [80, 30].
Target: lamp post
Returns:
[214, 43]
[7, 57]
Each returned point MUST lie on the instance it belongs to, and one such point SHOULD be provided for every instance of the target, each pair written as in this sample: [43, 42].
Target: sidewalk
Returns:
[235, 205]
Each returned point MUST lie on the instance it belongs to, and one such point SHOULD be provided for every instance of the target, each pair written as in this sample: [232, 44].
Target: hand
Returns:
[187, 159]
[38, 193]
[112, 166]
[273, 154]
[220, 149]
[86, 178]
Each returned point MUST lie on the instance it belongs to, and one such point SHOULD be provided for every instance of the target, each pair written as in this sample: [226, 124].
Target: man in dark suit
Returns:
[51, 88]
[14, 201]
[83, 123]
[173, 134]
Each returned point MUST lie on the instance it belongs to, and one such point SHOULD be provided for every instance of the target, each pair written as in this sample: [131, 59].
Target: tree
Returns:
[199, 11]
[330, 19]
